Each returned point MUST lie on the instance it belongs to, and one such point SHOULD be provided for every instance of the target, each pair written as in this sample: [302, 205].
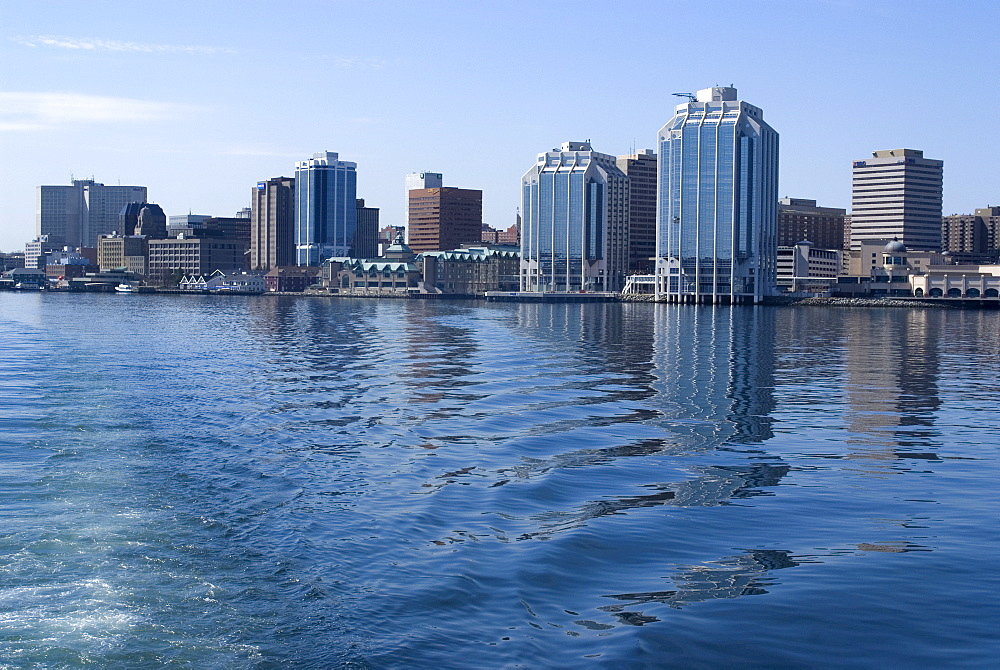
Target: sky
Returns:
[200, 100]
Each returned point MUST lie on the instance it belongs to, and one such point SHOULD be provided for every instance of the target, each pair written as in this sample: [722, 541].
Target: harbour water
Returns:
[268, 482]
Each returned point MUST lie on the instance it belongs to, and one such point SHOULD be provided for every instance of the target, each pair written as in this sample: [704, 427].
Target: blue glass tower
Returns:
[325, 208]
[717, 199]
[574, 230]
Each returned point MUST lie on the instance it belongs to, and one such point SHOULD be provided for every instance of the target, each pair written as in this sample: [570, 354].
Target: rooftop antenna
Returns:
[690, 96]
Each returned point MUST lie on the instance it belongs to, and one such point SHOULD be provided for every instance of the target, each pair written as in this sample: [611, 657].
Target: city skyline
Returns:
[189, 132]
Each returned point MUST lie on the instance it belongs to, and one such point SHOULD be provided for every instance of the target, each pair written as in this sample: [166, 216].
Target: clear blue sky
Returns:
[199, 100]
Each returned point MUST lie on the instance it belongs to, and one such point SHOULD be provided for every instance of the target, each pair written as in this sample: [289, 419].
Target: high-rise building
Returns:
[641, 171]
[418, 180]
[976, 237]
[718, 198]
[76, 214]
[152, 222]
[272, 227]
[896, 194]
[574, 235]
[801, 220]
[325, 208]
[366, 234]
[444, 218]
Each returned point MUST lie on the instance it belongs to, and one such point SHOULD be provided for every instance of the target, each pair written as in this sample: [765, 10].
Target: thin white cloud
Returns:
[84, 44]
[22, 111]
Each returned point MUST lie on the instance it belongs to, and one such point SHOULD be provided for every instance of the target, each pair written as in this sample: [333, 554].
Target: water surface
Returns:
[229, 482]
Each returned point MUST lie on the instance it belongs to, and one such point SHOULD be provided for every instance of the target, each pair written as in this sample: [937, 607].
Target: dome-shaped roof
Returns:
[895, 247]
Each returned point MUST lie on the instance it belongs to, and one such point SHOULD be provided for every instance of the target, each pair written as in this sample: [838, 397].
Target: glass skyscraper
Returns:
[325, 208]
[717, 202]
[574, 230]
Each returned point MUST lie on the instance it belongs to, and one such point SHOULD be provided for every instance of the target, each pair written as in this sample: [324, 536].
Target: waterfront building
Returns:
[75, 215]
[574, 204]
[717, 202]
[123, 251]
[325, 208]
[640, 168]
[366, 233]
[896, 194]
[33, 278]
[471, 271]
[185, 255]
[9, 261]
[444, 218]
[290, 279]
[272, 227]
[805, 267]
[801, 219]
[394, 274]
[67, 264]
[36, 250]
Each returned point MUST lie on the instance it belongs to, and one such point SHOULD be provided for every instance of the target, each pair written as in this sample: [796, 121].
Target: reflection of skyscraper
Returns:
[892, 381]
[718, 193]
[715, 370]
[325, 208]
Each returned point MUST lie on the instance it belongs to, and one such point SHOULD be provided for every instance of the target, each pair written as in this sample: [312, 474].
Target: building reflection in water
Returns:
[730, 577]
[715, 373]
[892, 394]
[604, 337]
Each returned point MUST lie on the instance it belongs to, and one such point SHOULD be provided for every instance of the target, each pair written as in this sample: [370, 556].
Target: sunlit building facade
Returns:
[574, 234]
[896, 194]
[717, 202]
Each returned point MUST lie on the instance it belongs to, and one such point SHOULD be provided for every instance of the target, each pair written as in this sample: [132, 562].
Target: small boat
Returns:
[125, 288]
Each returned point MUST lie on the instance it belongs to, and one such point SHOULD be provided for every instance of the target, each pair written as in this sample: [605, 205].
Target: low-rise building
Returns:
[291, 279]
[10, 261]
[958, 281]
[193, 256]
[123, 251]
[472, 271]
[395, 273]
[805, 268]
[23, 278]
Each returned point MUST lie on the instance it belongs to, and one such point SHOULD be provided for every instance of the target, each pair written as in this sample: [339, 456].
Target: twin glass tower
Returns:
[717, 202]
[717, 210]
